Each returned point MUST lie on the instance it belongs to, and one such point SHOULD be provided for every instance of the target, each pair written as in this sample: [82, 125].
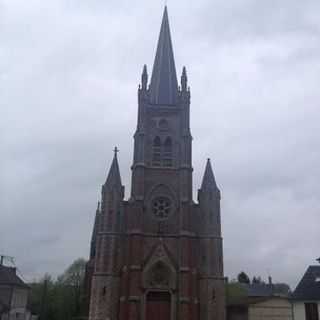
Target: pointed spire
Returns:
[208, 181]
[114, 178]
[144, 78]
[164, 84]
[184, 79]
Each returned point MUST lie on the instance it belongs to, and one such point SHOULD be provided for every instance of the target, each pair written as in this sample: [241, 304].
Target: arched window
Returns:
[156, 152]
[167, 153]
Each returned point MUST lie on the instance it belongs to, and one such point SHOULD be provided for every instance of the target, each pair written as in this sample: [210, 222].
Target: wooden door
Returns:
[158, 306]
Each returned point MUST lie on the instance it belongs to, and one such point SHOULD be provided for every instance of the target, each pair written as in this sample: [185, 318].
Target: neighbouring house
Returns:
[306, 296]
[257, 302]
[13, 295]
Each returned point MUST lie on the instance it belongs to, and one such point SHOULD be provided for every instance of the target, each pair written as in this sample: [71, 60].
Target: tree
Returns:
[235, 292]
[257, 280]
[59, 299]
[243, 277]
[73, 279]
[43, 299]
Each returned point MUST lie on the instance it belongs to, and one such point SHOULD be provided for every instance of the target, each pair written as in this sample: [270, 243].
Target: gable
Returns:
[8, 277]
[309, 286]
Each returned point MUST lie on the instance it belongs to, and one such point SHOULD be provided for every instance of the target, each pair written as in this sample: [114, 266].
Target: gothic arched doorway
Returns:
[158, 305]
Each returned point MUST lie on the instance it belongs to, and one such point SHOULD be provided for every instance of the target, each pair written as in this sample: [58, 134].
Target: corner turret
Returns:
[208, 181]
[114, 179]
[209, 201]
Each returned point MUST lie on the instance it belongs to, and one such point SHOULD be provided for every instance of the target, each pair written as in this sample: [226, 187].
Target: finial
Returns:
[144, 69]
[184, 71]
[115, 150]
[144, 78]
[184, 79]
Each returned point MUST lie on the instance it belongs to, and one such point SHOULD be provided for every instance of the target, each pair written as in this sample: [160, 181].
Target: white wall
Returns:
[299, 311]
[272, 309]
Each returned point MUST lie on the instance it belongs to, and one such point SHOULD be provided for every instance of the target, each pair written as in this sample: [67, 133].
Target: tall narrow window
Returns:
[156, 152]
[167, 153]
[311, 310]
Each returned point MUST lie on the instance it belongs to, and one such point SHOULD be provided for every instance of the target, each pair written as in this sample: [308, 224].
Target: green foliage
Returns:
[59, 299]
[243, 277]
[235, 292]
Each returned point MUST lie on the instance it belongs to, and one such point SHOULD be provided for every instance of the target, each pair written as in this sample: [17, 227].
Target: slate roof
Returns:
[114, 178]
[308, 287]
[208, 181]
[254, 293]
[8, 276]
[164, 83]
[246, 301]
[258, 289]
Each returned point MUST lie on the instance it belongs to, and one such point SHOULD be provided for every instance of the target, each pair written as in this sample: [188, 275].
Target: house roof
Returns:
[8, 276]
[309, 286]
[246, 301]
[243, 294]
[258, 289]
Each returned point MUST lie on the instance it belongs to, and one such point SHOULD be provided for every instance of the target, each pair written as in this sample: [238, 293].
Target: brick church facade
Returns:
[158, 255]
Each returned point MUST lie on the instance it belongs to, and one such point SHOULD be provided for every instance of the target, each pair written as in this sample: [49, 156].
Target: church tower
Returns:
[158, 255]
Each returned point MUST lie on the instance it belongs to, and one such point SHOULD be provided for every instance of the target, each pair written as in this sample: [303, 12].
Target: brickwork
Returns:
[159, 240]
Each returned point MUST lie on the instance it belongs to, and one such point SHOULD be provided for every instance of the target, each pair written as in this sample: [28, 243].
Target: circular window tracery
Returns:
[161, 207]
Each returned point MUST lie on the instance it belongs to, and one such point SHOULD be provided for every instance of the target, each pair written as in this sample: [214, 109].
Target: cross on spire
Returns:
[115, 150]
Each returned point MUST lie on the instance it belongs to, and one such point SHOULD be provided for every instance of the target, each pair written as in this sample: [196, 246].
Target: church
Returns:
[158, 255]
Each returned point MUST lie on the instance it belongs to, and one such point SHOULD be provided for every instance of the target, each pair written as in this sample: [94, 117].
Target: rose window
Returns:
[161, 207]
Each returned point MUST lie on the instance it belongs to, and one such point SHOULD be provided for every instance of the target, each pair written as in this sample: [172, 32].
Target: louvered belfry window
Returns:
[162, 155]
[156, 152]
[167, 153]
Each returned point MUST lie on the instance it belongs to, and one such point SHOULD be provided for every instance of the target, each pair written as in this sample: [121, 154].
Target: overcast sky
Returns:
[69, 72]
